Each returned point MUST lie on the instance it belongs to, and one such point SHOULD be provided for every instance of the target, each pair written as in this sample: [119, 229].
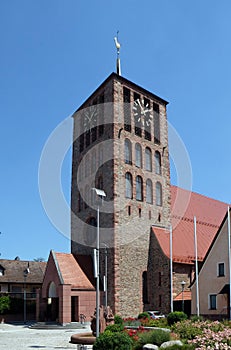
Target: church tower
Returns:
[120, 145]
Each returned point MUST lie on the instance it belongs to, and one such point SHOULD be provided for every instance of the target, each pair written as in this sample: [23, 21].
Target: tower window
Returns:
[147, 121]
[156, 118]
[138, 150]
[149, 196]
[128, 185]
[158, 163]
[137, 115]
[139, 212]
[101, 114]
[139, 188]
[221, 269]
[148, 159]
[127, 151]
[158, 193]
[145, 287]
[129, 210]
[127, 109]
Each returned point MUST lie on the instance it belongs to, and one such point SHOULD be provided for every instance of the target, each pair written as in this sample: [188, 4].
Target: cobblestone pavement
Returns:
[18, 337]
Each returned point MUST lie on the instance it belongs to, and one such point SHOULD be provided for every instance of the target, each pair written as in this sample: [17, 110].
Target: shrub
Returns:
[4, 303]
[118, 319]
[143, 315]
[176, 316]
[113, 341]
[156, 337]
[187, 329]
[115, 327]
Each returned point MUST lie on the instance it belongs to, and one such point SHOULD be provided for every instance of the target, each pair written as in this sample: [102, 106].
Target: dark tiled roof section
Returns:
[14, 271]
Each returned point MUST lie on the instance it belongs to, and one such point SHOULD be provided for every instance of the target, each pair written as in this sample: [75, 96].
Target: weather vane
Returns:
[117, 44]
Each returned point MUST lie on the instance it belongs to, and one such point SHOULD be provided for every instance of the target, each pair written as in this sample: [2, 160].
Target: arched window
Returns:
[128, 185]
[99, 183]
[148, 159]
[158, 193]
[149, 192]
[127, 151]
[138, 150]
[158, 162]
[139, 188]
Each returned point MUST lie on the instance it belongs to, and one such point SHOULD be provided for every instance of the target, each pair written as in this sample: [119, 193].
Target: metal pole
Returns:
[105, 276]
[171, 269]
[196, 268]
[97, 279]
[229, 257]
[24, 301]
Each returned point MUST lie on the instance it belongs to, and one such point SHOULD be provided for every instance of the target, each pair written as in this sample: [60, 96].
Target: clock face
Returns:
[90, 117]
[142, 112]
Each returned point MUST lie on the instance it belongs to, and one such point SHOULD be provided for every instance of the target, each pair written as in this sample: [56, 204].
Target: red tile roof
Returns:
[187, 296]
[71, 272]
[185, 205]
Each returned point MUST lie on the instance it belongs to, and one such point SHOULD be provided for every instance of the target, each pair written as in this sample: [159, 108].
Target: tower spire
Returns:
[117, 44]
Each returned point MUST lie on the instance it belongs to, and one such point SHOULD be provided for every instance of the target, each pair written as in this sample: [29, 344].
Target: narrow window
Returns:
[147, 121]
[159, 282]
[139, 188]
[158, 163]
[137, 115]
[128, 185]
[101, 114]
[101, 157]
[87, 165]
[138, 155]
[158, 193]
[129, 210]
[94, 133]
[212, 301]
[156, 118]
[150, 214]
[221, 270]
[99, 184]
[160, 300]
[81, 143]
[145, 287]
[88, 138]
[139, 212]
[93, 161]
[127, 109]
[127, 151]
[148, 159]
[86, 196]
[149, 191]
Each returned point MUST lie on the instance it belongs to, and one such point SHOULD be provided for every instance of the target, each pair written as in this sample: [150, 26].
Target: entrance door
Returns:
[74, 309]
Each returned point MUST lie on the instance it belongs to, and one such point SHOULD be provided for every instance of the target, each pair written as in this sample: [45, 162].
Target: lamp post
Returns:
[99, 193]
[25, 274]
[182, 286]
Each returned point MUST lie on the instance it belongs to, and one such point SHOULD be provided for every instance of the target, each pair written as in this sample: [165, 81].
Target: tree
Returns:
[4, 304]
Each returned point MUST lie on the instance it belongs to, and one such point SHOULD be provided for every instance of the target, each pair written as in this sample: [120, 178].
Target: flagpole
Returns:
[196, 267]
[171, 281]
[229, 257]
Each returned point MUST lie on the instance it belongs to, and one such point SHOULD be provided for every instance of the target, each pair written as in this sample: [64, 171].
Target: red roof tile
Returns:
[187, 296]
[71, 272]
[209, 214]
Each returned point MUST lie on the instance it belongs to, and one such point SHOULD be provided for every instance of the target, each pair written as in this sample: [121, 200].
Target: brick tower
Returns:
[120, 146]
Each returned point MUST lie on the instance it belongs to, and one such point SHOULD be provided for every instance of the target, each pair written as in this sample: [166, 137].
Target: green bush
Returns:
[113, 341]
[187, 329]
[143, 315]
[176, 316]
[156, 337]
[4, 304]
[118, 319]
[115, 328]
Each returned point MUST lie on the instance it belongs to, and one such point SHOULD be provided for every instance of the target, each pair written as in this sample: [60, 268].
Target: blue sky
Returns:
[55, 53]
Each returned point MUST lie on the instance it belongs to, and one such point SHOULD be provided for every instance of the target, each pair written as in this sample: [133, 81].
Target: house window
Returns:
[221, 269]
[156, 118]
[127, 151]
[138, 155]
[158, 193]
[139, 188]
[128, 185]
[158, 163]
[148, 159]
[137, 115]
[127, 109]
[212, 301]
[149, 197]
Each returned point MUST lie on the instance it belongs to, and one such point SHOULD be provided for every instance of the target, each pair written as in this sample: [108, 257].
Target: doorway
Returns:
[74, 309]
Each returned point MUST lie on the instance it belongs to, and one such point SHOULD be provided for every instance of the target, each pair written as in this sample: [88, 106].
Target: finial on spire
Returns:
[117, 44]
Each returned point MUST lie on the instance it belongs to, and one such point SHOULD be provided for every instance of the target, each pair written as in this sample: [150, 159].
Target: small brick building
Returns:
[67, 292]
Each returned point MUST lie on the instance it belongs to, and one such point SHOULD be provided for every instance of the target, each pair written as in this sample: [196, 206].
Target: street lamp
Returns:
[101, 194]
[25, 274]
[182, 286]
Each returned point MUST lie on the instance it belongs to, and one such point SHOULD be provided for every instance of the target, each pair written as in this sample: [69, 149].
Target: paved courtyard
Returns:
[20, 337]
